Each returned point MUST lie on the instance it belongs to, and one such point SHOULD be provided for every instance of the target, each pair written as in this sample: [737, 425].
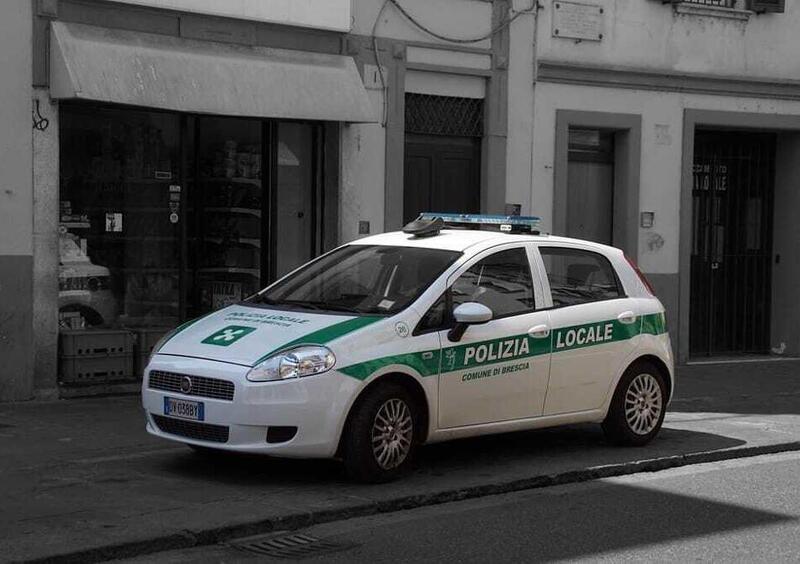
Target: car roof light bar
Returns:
[506, 223]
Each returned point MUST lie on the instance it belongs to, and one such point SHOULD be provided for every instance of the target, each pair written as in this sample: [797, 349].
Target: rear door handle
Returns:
[626, 317]
[539, 331]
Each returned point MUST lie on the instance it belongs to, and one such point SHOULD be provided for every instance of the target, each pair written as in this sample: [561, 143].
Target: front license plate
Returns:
[185, 409]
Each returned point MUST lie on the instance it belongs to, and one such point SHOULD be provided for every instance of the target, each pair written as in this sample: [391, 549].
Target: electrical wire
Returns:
[384, 88]
[500, 27]
[460, 40]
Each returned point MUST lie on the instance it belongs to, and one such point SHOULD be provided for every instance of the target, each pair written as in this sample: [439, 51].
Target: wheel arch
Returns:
[662, 367]
[411, 384]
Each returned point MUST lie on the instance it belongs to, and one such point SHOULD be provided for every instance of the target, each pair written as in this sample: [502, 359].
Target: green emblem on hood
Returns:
[228, 335]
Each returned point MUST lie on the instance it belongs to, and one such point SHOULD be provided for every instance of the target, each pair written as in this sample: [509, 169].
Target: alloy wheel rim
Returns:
[643, 404]
[392, 433]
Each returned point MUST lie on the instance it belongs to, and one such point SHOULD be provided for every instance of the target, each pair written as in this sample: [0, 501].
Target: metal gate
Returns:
[731, 264]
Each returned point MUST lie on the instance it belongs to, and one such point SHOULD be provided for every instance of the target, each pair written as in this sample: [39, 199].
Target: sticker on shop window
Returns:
[113, 222]
[228, 335]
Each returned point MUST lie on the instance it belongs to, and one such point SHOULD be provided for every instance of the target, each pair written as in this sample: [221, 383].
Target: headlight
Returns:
[294, 363]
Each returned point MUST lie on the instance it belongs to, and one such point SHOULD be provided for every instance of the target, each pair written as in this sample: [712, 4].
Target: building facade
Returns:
[671, 130]
[183, 153]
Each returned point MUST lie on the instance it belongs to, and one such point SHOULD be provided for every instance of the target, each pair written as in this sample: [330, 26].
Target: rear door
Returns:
[497, 371]
[593, 324]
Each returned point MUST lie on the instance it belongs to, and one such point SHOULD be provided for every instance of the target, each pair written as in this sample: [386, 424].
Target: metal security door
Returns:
[731, 263]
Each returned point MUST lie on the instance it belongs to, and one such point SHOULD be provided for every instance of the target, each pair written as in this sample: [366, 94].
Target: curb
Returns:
[192, 539]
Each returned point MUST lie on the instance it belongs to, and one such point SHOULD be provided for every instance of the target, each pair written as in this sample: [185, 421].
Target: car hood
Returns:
[246, 335]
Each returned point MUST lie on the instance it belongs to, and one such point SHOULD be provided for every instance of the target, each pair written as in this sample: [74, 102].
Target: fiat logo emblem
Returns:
[186, 384]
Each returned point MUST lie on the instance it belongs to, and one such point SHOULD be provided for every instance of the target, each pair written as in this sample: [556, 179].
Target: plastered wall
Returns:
[649, 34]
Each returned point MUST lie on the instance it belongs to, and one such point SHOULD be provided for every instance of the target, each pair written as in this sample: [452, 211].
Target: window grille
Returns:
[427, 114]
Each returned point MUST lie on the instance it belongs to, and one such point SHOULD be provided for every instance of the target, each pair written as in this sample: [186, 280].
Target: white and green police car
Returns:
[420, 336]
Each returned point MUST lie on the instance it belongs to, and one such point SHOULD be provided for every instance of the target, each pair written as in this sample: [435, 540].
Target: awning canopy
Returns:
[172, 73]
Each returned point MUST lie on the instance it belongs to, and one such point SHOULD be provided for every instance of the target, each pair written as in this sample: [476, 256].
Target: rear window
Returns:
[578, 276]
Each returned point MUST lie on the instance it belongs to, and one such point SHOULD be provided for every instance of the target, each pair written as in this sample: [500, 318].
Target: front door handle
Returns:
[539, 331]
[626, 317]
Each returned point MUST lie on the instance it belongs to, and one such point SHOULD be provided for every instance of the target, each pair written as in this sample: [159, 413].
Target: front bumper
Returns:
[316, 405]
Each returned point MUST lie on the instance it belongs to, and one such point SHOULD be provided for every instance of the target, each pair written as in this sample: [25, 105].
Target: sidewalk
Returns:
[81, 477]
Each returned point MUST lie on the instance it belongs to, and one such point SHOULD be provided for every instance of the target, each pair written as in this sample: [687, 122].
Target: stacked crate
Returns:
[146, 339]
[97, 356]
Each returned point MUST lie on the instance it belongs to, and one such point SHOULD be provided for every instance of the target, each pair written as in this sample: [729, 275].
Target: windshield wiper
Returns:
[301, 303]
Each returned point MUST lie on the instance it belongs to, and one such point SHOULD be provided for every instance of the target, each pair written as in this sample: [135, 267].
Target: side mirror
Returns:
[470, 313]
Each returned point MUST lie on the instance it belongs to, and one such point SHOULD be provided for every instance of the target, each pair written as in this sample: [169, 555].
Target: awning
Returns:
[172, 73]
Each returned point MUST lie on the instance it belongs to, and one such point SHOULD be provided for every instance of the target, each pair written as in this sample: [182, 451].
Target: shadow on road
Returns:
[499, 457]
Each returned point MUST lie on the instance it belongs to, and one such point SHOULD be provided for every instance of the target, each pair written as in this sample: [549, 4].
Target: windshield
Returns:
[360, 279]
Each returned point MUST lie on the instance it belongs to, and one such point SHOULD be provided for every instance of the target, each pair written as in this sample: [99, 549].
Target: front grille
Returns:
[201, 386]
[192, 429]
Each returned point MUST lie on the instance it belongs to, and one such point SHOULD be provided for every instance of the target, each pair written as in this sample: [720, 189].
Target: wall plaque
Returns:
[574, 20]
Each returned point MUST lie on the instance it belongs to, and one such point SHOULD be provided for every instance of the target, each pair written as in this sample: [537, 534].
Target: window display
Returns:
[166, 216]
[119, 251]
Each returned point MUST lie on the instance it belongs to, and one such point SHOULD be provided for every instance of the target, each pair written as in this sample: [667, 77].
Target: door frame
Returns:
[709, 119]
[627, 164]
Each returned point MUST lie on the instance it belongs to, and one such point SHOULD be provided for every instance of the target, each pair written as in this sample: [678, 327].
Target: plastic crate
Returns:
[78, 370]
[96, 342]
[146, 339]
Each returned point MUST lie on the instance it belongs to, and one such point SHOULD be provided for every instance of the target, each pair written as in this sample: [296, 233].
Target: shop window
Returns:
[166, 216]
[118, 238]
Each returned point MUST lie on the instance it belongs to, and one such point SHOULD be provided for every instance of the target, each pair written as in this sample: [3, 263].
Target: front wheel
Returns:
[381, 437]
[638, 407]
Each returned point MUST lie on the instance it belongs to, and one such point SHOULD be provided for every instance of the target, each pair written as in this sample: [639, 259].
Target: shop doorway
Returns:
[731, 258]
[590, 185]
[442, 168]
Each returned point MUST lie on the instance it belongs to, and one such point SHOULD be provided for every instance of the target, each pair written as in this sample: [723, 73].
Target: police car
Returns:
[455, 327]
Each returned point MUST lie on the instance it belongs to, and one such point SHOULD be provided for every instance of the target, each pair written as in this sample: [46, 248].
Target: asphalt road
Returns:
[733, 511]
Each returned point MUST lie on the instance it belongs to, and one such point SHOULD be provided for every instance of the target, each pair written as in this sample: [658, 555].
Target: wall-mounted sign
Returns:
[321, 14]
[574, 20]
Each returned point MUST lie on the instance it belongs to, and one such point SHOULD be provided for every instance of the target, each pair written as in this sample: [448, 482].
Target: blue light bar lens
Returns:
[530, 221]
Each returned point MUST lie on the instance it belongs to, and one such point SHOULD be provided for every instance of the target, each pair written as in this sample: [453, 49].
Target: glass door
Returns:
[225, 233]
[296, 196]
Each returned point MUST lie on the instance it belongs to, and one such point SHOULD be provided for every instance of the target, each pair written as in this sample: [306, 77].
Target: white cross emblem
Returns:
[228, 335]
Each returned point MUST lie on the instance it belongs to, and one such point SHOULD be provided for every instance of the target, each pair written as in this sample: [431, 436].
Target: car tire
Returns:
[638, 407]
[381, 437]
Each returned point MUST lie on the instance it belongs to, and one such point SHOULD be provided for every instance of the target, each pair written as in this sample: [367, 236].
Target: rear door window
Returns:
[577, 276]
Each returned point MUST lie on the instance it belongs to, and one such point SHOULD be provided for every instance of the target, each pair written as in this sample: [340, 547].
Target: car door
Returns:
[592, 323]
[498, 370]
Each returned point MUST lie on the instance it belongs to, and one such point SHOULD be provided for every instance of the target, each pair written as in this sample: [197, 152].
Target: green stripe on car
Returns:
[326, 334]
[516, 347]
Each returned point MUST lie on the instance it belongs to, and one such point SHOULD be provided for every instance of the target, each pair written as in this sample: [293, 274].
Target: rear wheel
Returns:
[381, 437]
[638, 407]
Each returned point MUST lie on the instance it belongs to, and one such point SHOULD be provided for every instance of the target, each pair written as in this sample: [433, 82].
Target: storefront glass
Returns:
[167, 216]
[119, 246]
